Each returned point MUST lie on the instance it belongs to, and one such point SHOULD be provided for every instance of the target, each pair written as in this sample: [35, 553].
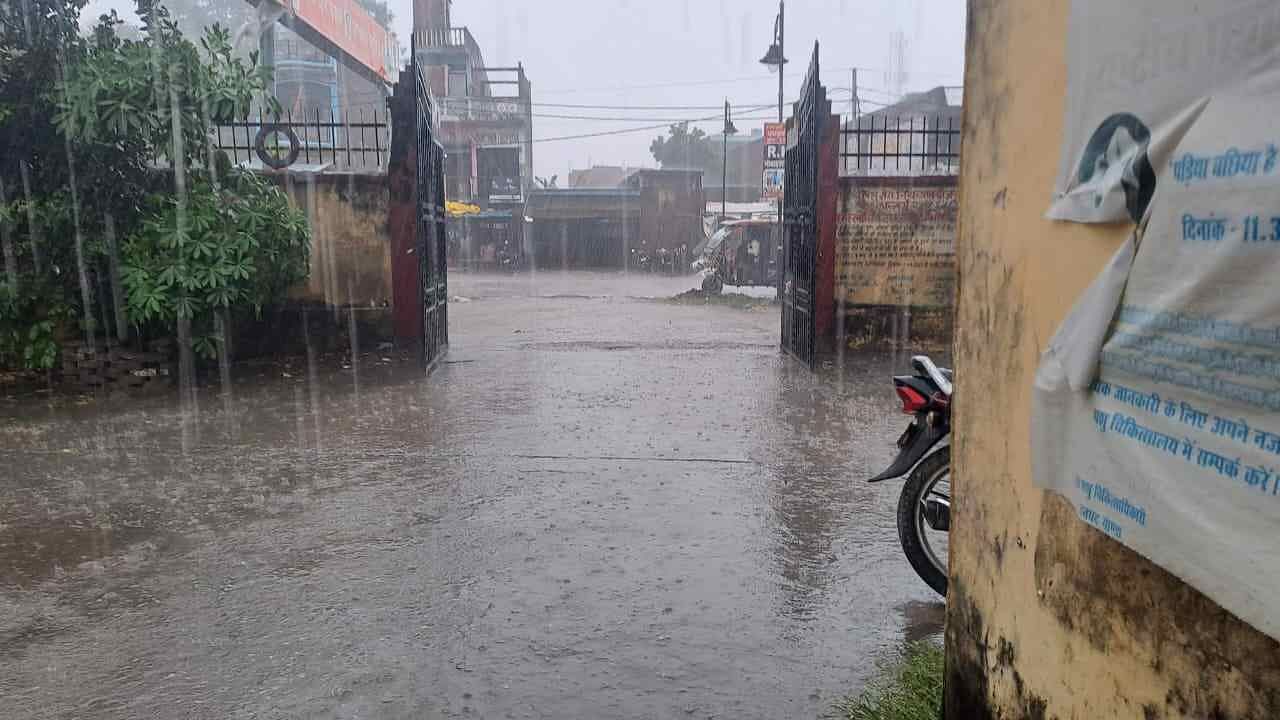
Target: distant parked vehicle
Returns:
[739, 253]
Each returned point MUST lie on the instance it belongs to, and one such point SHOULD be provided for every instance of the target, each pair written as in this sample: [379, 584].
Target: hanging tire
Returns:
[271, 160]
[932, 477]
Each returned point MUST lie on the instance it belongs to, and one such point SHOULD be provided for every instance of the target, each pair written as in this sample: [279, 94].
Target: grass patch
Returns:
[908, 690]
[733, 300]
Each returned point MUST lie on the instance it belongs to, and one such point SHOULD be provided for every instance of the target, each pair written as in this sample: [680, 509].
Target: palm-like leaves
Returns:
[238, 245]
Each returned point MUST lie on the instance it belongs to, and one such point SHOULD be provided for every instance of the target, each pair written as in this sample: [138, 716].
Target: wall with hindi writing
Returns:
[1047, 616]
[895, 241]
[895, 259]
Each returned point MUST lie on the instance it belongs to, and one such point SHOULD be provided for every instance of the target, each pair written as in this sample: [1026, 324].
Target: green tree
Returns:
[683, 147]
[162, 91]
[39, 39]
[221, 240]
[104, 141]
[194, 17]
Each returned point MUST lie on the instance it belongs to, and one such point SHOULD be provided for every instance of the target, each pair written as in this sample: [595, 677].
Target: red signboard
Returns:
[348, 26]
[775, 134]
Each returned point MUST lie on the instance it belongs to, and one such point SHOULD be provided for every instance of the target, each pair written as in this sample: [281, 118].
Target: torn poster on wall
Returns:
[1157, 404]
[1138, 73]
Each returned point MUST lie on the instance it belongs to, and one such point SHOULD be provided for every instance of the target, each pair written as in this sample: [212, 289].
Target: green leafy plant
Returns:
[162, 89]
[29, 322]
[8, 57]
[219, 247]
[84, 121]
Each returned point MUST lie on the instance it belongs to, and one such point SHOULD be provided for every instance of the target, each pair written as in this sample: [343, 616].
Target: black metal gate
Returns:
[800, 212]
[432, 243]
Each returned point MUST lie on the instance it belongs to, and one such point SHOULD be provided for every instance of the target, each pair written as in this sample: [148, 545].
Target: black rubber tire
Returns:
[908, 501]
[260, 146]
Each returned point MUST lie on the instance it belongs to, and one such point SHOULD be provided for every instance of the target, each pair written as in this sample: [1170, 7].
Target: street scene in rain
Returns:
[487, 359]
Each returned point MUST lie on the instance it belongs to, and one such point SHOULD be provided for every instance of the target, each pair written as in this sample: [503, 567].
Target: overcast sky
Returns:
[636, 53]
[631, 55]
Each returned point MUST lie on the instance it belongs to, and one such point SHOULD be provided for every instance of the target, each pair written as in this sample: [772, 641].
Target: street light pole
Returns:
[776, 59]
[724, 168]
[782, 53]
[782, 50]
[729, 129]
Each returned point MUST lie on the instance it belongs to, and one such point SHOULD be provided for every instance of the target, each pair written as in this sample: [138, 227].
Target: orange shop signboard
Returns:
[348, 26]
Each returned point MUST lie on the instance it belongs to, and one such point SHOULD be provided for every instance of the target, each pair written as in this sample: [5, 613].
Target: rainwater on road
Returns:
[601, 505]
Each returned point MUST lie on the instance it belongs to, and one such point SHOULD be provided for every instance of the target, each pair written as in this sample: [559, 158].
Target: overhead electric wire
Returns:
[625, 131]
[749, 109]
[635, 107]
[684, 83]
[475, 100]
[640, 108]
[727, 81]
[737, 111]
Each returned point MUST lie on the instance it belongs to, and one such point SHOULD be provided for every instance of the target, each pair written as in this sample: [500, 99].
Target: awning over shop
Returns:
[459, 209]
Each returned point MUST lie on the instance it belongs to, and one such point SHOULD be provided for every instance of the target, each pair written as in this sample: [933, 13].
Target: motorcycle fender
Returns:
[919, 440]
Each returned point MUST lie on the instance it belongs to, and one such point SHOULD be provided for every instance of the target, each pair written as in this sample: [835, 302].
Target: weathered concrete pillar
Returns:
[1047, 617]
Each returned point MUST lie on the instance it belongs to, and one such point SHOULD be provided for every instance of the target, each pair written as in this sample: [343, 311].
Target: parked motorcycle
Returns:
[924, 451]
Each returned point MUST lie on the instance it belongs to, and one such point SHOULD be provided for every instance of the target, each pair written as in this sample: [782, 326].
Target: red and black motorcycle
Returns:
[924, 451]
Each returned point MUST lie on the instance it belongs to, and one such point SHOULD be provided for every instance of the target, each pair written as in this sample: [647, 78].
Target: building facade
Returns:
[650, 221]
[744, 169]
[486, 124]
[484, 112]
[309, 80]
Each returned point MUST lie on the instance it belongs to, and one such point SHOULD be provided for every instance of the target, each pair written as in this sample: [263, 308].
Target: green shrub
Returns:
[237, 245]
[30, 317]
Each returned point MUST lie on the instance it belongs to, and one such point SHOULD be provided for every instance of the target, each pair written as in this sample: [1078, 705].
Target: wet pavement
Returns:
[601, 505]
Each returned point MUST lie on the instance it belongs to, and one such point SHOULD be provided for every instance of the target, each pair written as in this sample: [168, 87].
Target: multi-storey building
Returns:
[486, 125]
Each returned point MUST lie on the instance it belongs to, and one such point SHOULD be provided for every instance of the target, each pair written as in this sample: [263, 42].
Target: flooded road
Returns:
[602, 505]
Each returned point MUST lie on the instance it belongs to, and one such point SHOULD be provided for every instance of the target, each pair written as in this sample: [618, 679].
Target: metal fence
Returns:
[903, 145]
[357, 140]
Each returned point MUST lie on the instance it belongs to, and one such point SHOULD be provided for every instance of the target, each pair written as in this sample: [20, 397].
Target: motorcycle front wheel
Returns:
[925, 547]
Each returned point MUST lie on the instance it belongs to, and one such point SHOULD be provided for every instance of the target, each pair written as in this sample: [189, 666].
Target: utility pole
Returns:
[729, 129]
[724, 167]
[856, 110]
[853, 120]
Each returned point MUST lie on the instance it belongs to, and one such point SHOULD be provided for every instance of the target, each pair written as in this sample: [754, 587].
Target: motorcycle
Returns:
[924, 507]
